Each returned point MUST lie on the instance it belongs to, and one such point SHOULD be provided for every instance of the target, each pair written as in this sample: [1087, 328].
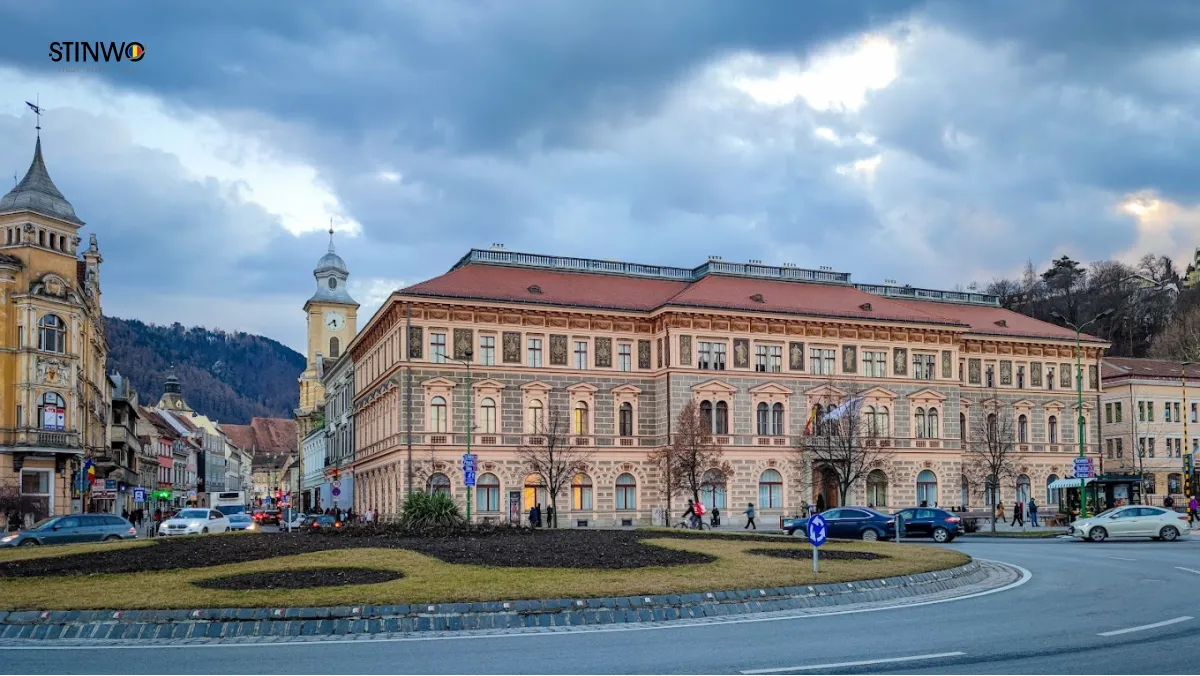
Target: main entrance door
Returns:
[825, 487]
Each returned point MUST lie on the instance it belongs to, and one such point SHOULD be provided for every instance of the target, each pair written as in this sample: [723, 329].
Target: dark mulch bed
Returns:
[506, 547]
[308, 578]
[806, 554]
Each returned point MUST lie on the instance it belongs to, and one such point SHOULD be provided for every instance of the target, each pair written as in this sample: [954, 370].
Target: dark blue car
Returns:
[71, 529]
[848, 523]
[931, 522]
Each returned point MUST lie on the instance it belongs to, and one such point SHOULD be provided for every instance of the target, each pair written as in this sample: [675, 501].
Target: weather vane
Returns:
[37, 110]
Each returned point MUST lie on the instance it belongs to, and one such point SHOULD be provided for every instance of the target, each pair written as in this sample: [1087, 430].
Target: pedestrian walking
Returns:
[1169, 502]
[1018, 508]
[550, 516]
[749, 517]
[804, 509]
[14, 521]
[715, 520]
[820, 503]
[1033, 512]
[1193, 511]
[125, 514]
[1000, 512]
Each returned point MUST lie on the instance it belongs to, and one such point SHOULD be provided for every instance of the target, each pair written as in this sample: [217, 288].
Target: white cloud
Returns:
[864, 168]
[370, 294]
[206, 147]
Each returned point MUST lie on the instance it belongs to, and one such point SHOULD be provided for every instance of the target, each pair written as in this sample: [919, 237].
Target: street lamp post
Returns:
[470, 412]
[1079, 388]
[1189, 480]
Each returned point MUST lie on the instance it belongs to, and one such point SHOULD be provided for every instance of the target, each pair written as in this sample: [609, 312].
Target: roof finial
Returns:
[37, 110]
[331, 234]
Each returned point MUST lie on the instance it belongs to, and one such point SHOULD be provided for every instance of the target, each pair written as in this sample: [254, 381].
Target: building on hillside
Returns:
[332, 318]
[618, 349]
[338, 380]
[126, 460]
[53, 350]
[1149, 424]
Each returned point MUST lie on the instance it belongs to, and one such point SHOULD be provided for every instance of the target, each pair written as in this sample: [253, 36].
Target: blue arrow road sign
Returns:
[469, 478]
[816, 531]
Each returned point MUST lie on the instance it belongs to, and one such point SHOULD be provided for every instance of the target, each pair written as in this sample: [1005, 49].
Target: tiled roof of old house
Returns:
[264, 435]
[1130, 367]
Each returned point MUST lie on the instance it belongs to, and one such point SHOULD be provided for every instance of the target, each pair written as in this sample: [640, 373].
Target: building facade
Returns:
[621, 348]
[339, 427]
[126, 460]
[54, 404]
[1149, 409]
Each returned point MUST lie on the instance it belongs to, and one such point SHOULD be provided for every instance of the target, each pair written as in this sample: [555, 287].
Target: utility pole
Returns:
[470, 411]
[1079, 387]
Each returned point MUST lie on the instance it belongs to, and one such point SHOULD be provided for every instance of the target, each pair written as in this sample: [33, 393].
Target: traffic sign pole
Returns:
[817, 534]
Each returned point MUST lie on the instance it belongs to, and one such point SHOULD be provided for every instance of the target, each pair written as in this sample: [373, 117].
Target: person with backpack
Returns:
[698, 514]
[749, 517]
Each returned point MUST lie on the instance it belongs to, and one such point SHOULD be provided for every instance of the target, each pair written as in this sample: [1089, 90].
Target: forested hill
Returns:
[229, 377]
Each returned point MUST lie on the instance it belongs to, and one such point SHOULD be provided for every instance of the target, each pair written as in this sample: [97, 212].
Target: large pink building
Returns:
[623, 347]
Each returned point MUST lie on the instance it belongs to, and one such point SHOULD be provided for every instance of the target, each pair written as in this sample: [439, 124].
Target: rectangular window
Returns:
[875, 364]
[821, 361]
[1020, 377]
[1150, 411]
[1141, 411]
[1177, 408]
[760, 358]
[1193, 413]
[1108, 415]
[1150, 447]
[535, 352]
[923, 366]
[768, 359]
[712, 356]
[581, 356]
[1120, 448]
[625, 356]
[1108, 444]
[704, 356]
[718, 356]
[1141, 447]
[437, 348]
[1167, 412]
[1117, 410]
[487, 350]
[991, 377]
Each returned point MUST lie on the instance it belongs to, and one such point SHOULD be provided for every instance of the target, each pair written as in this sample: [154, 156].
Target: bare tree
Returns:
[1181, 339]
[662, 459]
[842, 439]
[695, 451]
[990, 457]
[550, 455]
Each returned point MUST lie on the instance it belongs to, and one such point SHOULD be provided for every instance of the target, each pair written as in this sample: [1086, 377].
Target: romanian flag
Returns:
[91, 471]
[812, 418]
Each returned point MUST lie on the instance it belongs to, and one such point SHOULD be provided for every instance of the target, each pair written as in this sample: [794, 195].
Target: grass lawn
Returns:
[427, 579]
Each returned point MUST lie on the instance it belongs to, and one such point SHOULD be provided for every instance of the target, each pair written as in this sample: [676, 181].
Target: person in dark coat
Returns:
[14, 522]
[820, 503]
[549, 517]
[1018, 514]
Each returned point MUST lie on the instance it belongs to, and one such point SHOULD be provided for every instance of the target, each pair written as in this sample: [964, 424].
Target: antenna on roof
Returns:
[497, 246]
[889, 281]
[755, 261]
[714, 258]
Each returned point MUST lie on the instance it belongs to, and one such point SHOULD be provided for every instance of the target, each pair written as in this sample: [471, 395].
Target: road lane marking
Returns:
[1119, 558]
[1144, 627]
[859, 663]
[1190, 570]
[1026, 576]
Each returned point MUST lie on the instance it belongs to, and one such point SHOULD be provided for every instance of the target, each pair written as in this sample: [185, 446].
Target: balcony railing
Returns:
[27, 437]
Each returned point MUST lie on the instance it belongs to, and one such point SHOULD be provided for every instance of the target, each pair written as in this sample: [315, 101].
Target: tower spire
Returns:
[37, 110]
[331, 234]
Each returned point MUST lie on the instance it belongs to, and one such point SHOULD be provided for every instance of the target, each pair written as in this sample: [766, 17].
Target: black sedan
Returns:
[930, 522]
[848, 523]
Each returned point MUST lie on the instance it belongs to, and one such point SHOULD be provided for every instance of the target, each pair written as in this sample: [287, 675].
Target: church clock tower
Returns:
[332, 321]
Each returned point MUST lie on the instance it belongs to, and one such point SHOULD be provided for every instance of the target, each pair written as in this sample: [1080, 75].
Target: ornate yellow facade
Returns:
[332, 320]
[54, 399]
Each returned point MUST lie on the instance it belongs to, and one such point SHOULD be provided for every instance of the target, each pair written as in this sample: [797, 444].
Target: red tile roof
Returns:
[502, 283]
[826, 300]
[241, 436]
[1122, 367]
[511, 284]
[983, 319]
[164, 428]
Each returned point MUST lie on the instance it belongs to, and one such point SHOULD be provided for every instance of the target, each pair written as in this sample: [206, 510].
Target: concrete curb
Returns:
[228, 623]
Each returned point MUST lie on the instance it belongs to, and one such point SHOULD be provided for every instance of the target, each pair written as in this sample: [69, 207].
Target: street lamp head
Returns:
[468, 353]
[1106, 313]
[1057, 315]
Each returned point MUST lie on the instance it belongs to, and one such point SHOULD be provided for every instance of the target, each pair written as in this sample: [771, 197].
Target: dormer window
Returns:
[757, 298]
[1003, 323]
[535, 289]
[865, 307]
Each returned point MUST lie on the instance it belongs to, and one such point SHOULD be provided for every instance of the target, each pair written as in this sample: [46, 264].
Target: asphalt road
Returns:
[1054, 623]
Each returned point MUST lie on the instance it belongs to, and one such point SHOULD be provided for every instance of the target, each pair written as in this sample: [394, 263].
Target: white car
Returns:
[1133, 521]
[195, 521]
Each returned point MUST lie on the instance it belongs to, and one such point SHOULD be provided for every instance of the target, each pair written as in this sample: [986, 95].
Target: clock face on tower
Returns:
[334, 320]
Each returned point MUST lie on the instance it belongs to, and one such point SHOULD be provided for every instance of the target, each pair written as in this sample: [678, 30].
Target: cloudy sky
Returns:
[935, 143]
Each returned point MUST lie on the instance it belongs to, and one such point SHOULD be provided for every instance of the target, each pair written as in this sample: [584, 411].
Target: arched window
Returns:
[706, 415]
[962, 426]
[712, 489]
[814, 424]
[626, 420]
[535, 417]
[777, 428]
[764, 419]
[722, 418]
[487, 415]
[966, 492]
[52, 334]
[931, 423]
[1052, 430]
[581, 418]
[1174, 484]
[581, 492]
[1022, 429]
[1023, 489]
[439, 483]
[993, 425]
[437, 415]
[52, 412]
[770, 490]
[626, 492]
[927, 494]
[487, 493]
[877, 488]
[877, 420]
[920, 422]
[334, 347]
[1051, 493]
[883, 422]
[535, 491]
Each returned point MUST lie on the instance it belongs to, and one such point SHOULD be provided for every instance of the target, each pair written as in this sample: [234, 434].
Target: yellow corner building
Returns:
[54, 401]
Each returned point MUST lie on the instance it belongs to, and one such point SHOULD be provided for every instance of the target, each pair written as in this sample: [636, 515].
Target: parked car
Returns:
[267, 517]
[848, 523]
[70, 529]
[322, 522]
[242, 522]
[195, 521]
[930, 522]
[1133, 521]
